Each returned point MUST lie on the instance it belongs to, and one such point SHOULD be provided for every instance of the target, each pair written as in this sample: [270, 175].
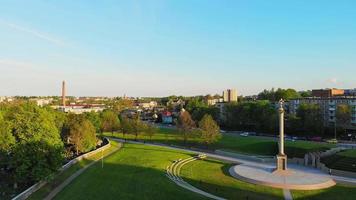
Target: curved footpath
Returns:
[286, 192]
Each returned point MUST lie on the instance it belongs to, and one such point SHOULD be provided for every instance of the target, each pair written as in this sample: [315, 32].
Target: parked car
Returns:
[245, 134]
[316, 139]
[332, 141]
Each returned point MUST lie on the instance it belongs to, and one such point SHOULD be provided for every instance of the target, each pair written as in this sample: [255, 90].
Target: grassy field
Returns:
[338, 192]
[345, 160]
[245, 145]
[138, 172]
[62, 176]
[213, 176]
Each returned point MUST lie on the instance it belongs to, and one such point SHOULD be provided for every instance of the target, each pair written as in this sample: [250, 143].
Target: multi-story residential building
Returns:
[230, 95]
[328, 108]
[350, 92]
[325, 93]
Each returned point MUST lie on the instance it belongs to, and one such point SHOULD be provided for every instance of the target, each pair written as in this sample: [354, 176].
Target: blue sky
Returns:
[183, 47]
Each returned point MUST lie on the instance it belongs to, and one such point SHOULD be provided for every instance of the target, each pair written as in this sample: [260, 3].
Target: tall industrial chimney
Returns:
[63, 93]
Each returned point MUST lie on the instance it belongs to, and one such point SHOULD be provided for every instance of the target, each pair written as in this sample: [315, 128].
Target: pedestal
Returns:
[281, 162]
[282, 166]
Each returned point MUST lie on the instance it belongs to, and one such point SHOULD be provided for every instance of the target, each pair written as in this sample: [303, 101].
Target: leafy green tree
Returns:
[33, 142]
[307, 93]
[150, 130]
[35, 160]
[126, 126]
[138, 126]
[257, 116]
[109, 121]
[81, 134]
[275, 95]
[343, 116]
[196, 102]
[311, 118]
[7, 140]
[186, 125]
[209, 130]
[95, 119]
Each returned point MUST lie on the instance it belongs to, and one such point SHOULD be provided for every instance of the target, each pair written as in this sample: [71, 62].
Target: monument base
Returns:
[295, 178]
[281, 168]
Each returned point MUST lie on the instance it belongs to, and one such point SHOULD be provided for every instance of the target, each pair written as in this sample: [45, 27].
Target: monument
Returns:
[281, 156]
[279, 175]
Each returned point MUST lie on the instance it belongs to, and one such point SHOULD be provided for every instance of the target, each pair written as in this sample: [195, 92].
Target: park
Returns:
[162, 167]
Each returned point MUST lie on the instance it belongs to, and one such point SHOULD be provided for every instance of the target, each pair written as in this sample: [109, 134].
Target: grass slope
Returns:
[213, 176]
[138, 172]
[62, 176]
[337, 192]
[246, 145]
[134, 172]
[345, 160]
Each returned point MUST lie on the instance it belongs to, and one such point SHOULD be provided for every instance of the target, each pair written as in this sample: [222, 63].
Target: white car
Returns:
[245, 134]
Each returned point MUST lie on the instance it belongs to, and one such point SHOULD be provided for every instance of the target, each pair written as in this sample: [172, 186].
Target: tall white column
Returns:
[281, 127]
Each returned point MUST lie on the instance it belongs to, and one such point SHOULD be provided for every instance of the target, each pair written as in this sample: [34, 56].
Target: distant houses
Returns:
[167, 117]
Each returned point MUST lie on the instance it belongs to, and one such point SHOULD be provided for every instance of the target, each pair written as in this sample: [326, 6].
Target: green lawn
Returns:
[245, 145]
[134, 172]
[337, 192]
[138, 172]
[345, 160]
[213, 176]
[62, 176]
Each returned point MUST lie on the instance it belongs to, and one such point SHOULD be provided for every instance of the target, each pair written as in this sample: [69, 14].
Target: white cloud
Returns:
[34, 33]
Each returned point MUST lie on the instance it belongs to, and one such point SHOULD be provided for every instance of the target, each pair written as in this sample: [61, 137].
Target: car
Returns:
[245, 134]
[332, 141]
[316, 139]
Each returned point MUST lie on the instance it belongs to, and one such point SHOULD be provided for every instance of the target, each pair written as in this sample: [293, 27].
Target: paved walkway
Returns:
[287, 195]
[59, 188]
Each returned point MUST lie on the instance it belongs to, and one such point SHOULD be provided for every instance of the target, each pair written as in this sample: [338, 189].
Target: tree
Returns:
[95, 119]
[343, 116]
[138, 126]
[35, 149]
[126, 126]
[109, 121]
[209, 130]
[150, 130]
[185, 125]
[310, 118]
[35, 160]
[275, 95]
[257, 116]
[7, 140]
[81, 134]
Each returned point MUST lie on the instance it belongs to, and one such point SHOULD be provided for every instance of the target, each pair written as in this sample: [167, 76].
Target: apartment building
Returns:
[230, 95]
[328, 107]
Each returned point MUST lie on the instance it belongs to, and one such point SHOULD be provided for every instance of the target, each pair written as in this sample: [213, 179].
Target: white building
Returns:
[230, 95]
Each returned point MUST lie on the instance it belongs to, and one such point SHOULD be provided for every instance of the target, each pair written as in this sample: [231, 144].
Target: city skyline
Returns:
[163, 48]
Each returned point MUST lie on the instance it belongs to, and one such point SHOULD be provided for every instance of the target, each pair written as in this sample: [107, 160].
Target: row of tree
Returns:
[262, 116]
